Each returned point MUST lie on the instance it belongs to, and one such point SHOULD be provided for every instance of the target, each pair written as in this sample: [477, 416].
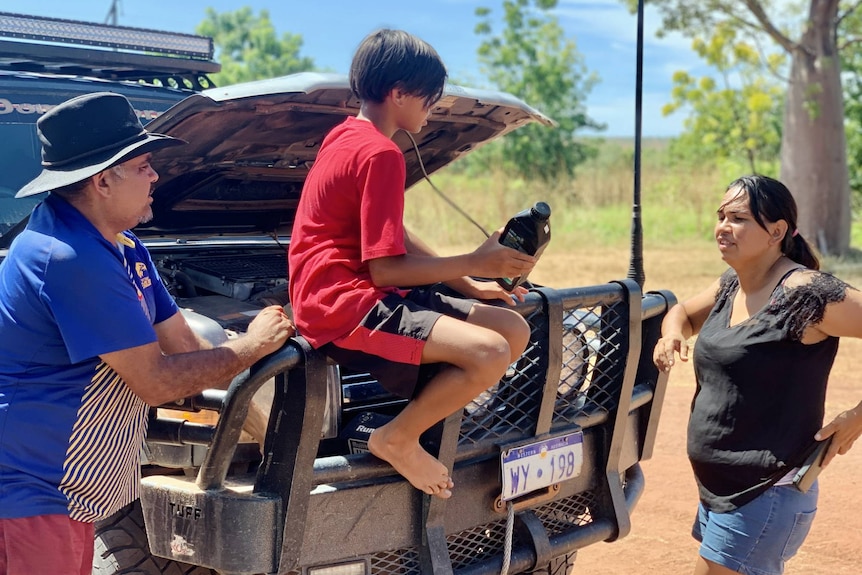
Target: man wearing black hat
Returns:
[89, 338]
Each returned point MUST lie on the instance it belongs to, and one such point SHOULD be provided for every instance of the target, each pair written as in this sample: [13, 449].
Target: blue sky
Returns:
[604, 31]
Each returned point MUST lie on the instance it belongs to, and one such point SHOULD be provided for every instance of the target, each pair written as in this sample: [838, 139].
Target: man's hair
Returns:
[389, 59]
[119, 171]
[73, 190]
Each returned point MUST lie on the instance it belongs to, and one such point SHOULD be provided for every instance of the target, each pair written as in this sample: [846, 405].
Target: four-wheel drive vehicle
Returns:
[45, 61]
[545, 463]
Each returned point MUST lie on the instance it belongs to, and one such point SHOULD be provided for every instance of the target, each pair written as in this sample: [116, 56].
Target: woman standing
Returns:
[768, 333]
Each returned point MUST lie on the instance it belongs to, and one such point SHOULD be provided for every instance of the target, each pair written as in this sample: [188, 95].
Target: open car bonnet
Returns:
[251, 146]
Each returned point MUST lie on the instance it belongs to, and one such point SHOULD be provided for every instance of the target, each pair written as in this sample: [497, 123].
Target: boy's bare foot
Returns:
[417, 466]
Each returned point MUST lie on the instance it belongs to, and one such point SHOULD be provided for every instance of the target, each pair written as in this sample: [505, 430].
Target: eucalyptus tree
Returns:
[734, 113]
[248, 48]
[532, 58]
[812, 34]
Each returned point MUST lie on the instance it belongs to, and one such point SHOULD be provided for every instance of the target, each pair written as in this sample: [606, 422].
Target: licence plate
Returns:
[527, 468]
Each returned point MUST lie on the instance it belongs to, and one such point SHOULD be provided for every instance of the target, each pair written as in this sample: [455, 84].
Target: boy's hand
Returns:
[494, 260]
[489, 290]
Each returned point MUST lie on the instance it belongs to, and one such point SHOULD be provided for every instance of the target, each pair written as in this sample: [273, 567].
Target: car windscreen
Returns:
[23, 100]
[19, 163]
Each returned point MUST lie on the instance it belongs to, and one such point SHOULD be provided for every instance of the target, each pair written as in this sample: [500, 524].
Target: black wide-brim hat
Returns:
[88, 134]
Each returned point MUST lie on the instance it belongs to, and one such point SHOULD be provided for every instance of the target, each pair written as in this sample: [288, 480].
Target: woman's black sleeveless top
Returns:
[760, 392]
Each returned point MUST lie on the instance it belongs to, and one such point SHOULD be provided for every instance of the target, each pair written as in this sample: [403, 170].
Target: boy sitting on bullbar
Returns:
[351, 259]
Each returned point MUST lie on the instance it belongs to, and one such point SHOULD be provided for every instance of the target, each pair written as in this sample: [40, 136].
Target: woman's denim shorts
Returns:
[757, 538]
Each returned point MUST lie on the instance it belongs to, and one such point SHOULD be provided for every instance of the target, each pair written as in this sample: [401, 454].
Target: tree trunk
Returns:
[813, 146]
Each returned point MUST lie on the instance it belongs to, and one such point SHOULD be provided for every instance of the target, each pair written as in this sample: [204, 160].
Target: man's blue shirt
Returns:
[70, 429]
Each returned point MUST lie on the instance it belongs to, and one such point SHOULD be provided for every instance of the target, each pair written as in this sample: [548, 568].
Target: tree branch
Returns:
[745, 23]
[848, 43]
[762, 53]
[847, 13]
[767, 26]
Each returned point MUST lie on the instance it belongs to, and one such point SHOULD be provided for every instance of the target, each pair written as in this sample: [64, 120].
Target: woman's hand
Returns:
[844, 430]
[663, 353]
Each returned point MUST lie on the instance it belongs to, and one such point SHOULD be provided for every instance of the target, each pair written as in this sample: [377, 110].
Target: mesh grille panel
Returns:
[561, 516]
[592, 362]
[592, 359]
[401, 562]
[249, 267]
[513, 403]
[477, 544]
[481, 543]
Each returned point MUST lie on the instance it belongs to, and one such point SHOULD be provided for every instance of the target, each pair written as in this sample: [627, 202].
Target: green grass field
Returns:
[678, 205]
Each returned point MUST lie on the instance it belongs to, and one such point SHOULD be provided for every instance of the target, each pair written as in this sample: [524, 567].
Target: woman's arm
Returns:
[842, 317]
[682, 322]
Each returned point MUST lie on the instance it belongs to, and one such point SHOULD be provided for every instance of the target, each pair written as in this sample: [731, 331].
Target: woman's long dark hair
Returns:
[770, 201]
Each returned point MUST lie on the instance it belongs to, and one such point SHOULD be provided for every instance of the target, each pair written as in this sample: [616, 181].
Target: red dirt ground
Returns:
[660, 542]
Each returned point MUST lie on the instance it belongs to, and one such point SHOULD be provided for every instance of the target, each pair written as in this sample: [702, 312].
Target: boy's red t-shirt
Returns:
[351, 211]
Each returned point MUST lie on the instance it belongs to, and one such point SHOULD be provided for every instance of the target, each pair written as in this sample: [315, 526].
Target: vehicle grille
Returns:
[588, 382]
[479, 543]
[585, 378]
[245, 268]
[592, 362]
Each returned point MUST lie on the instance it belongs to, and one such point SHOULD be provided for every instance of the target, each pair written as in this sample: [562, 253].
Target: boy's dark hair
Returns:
[389, 59]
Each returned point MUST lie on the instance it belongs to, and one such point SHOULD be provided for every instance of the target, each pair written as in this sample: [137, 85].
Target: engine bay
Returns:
[229, 286]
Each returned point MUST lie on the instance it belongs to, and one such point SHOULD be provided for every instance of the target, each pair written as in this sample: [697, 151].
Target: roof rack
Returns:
[133, 53]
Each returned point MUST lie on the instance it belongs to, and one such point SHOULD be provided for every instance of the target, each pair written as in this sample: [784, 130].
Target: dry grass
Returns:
[592, 210]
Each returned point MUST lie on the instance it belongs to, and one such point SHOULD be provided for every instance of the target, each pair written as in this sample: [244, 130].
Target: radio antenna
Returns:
[113, 13]
[636, 261]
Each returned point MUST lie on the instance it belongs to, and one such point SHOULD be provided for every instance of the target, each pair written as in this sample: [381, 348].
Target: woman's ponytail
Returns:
[799, 250]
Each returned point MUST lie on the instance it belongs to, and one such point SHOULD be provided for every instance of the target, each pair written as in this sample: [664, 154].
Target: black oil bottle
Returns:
[529, 232]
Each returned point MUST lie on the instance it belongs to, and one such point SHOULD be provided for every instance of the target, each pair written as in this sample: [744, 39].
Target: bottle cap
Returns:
[541, 211]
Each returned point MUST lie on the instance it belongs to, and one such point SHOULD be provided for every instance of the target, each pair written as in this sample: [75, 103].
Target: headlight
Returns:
[352, 568]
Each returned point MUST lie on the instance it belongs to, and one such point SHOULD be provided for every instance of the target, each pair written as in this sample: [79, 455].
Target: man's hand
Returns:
[158, 378]
[270, 328]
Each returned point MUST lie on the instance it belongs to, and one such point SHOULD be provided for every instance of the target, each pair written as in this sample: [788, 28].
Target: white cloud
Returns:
[611, 18]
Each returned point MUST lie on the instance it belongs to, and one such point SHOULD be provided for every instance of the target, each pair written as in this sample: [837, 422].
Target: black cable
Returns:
[441, 194]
